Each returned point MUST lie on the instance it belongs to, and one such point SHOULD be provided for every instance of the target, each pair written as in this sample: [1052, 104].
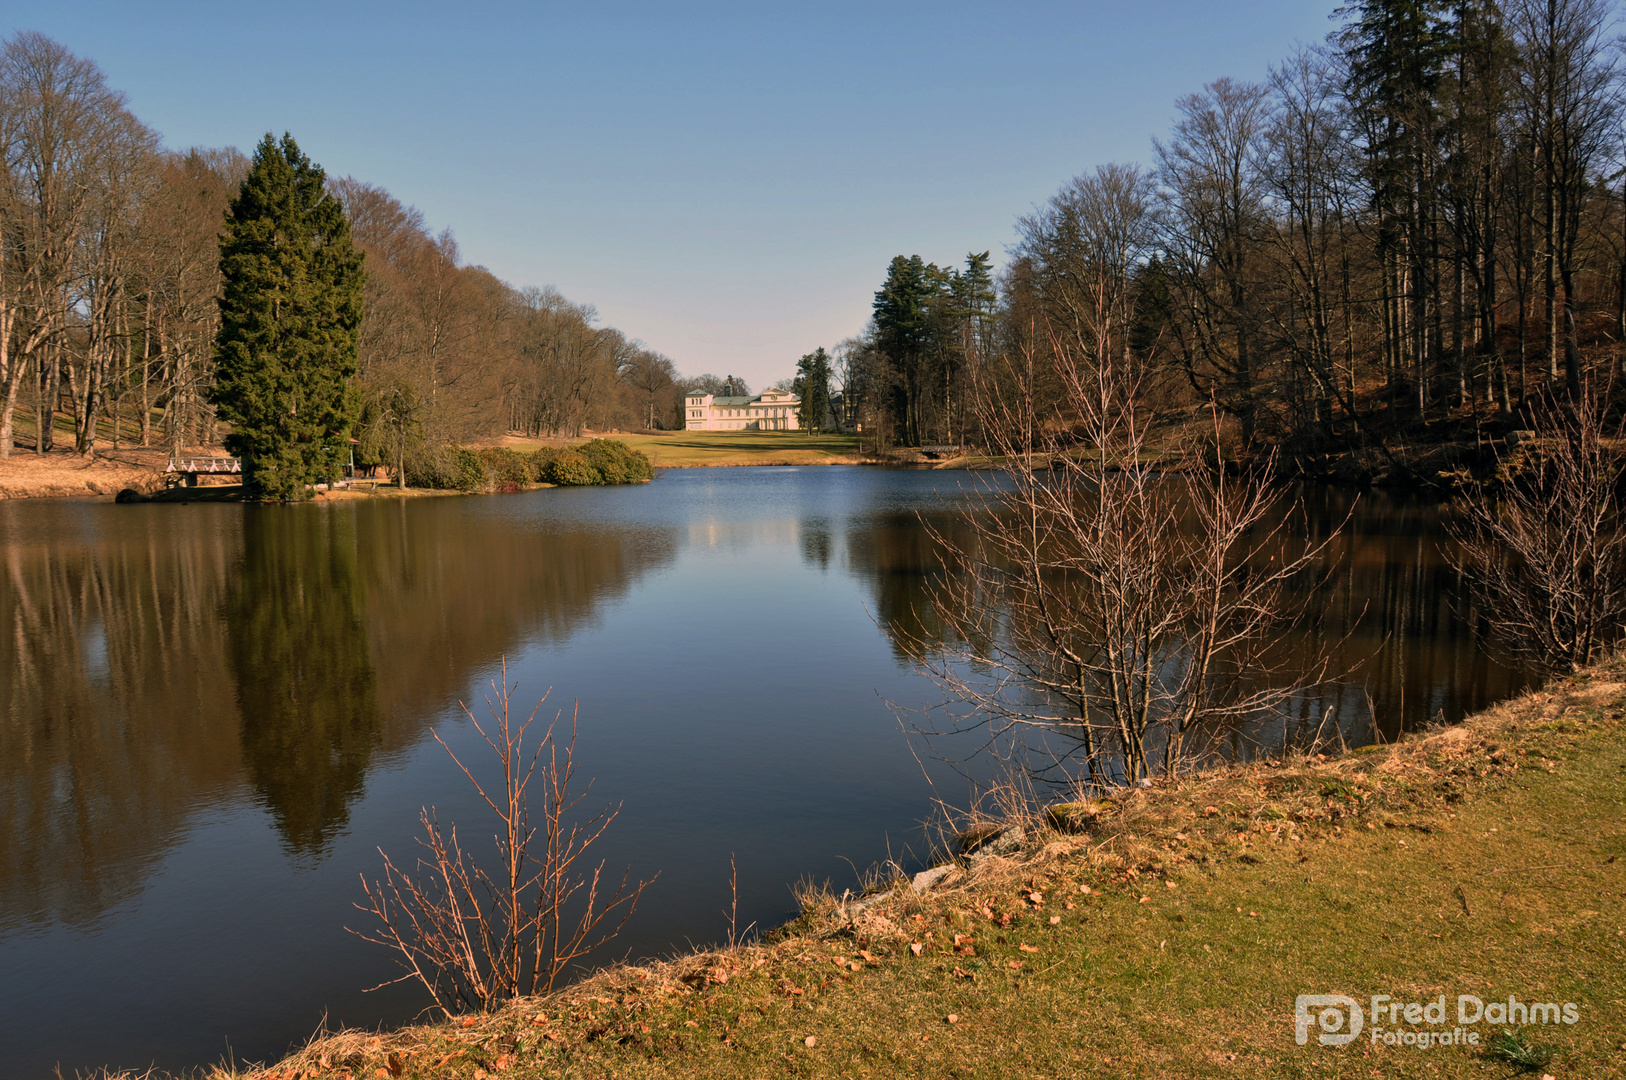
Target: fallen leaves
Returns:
[916, 947]
[953, 1018]
[1056, 919]
[395, 1064]
[962, 973]
[1028, 948]
[810, 1041]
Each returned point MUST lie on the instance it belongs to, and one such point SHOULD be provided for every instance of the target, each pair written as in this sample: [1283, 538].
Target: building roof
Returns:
[738, 401]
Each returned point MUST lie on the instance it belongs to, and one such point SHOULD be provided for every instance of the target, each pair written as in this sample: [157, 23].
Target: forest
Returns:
[1400, 236]
[110, 279]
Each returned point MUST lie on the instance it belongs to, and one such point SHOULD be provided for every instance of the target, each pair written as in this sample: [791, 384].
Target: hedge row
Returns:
[601, 461]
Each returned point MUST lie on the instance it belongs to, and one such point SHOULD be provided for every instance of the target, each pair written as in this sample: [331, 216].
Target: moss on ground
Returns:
[1168, 939]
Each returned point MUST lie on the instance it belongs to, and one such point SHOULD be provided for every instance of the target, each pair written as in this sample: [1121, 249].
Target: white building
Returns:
[774, 410]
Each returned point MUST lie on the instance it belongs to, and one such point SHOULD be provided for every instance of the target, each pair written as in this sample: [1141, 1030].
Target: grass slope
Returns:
[701, 448]
[1171, 940]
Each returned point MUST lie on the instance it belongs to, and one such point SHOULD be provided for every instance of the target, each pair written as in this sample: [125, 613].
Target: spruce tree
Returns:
[813, 387]
[290, 314]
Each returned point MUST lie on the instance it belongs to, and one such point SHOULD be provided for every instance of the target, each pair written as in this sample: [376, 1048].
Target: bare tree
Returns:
[1545, 553]
[1212, 218]
[1568, 80]
[124, 174]
[473, 938]
[1104, 598]
[54, 105]
[654, 377]
[1084, 247]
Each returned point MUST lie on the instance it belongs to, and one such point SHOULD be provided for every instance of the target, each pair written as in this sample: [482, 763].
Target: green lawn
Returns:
[686, 449]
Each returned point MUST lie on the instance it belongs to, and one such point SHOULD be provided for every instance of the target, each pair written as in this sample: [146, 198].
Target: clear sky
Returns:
[726, 182]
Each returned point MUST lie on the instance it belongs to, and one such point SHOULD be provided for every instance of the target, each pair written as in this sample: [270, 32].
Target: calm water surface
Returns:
[215, 715]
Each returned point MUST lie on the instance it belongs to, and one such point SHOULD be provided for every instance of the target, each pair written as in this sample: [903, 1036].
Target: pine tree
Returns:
[813, 387]
[290, 314]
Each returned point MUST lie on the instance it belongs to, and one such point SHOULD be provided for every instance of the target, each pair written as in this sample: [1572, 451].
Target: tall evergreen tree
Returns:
[1397, 52]
[290, 314]
[813, 387]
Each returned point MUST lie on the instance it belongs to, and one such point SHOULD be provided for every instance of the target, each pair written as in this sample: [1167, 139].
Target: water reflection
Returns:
[161, 658]
[211, 718]
[1385, 605]
[118, 704]
[295, 621]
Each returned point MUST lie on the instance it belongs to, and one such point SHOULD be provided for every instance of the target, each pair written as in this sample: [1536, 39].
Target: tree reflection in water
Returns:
[1389, 608]
[160, 659]
[297, 637]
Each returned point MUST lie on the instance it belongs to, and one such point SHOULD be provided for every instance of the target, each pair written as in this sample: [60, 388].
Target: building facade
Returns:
[773, 410]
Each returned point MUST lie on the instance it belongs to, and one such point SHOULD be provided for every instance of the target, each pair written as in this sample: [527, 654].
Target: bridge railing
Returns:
[187, 470]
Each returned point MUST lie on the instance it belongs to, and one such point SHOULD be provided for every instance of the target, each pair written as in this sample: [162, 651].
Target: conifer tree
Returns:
[290, 313]
[813, 387]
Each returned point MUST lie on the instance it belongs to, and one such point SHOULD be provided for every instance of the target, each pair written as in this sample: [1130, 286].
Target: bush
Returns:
[570, 468]
[617, 462]
[432, 468]
[602, 461]
[507, 468]
[542, 462]
[471, 471]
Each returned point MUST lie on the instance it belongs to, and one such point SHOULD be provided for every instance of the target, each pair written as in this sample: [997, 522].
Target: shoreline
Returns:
[64, 475]
[1188, 891]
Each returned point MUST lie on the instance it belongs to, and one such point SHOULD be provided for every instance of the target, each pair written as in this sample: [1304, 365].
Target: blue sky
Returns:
[724, 181]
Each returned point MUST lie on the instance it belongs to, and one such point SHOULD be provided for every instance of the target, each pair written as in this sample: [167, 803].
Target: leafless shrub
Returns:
[1129, 600]
[1545, 552]
[473, 938]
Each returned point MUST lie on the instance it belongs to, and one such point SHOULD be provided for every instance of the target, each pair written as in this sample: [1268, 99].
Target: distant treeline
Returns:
[109, 278]
[1419, 224]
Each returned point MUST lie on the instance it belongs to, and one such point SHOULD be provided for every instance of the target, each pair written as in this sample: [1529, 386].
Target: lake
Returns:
[216, 715]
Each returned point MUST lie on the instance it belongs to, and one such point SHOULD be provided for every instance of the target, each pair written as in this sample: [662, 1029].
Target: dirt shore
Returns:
[65, 474]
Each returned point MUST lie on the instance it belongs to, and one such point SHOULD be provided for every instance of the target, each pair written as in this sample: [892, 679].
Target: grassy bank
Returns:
[695, 449]
[1168, 939]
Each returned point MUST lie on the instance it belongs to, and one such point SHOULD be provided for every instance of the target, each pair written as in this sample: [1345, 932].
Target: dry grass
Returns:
[62, 473]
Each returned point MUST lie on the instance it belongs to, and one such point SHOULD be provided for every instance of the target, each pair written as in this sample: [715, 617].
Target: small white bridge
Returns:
[187, 470]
